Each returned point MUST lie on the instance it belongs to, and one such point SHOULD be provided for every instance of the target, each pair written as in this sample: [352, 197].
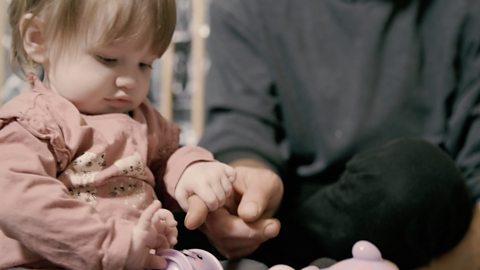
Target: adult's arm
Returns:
[243, 115]
[463, 127]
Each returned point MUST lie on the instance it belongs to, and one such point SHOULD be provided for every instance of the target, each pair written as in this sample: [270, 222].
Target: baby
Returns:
[84, 152]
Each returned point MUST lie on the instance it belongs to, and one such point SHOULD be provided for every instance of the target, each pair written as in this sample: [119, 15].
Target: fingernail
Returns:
[270, 230]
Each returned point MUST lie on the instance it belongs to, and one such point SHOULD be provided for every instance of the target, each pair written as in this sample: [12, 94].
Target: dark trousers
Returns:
[407, 197]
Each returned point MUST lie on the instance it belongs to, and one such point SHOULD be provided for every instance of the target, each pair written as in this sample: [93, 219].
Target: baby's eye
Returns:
[145, 66]
[106, 60]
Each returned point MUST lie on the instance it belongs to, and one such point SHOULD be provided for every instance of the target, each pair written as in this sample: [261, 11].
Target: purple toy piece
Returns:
[190, 259]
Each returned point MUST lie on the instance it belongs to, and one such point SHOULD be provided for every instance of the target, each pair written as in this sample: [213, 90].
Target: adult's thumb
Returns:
[196, 214]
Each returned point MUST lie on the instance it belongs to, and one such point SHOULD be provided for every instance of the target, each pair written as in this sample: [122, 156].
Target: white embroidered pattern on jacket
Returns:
[82, 172]
[86, 193]
[132, 190]
[127, 185]
[132, 166]
[84, 168]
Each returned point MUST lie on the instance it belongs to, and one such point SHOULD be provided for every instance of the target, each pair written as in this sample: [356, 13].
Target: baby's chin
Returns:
[100, 110]
[107, 111]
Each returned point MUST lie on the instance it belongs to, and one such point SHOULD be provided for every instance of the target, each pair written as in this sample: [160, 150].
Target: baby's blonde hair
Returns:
[64, 20]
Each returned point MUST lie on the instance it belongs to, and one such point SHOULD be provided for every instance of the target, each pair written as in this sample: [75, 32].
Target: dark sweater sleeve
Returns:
[242, 118]
[463, 135]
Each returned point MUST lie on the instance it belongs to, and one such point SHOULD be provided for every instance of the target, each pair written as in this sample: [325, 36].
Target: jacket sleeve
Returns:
[463, 127]
[242, 117]
[37, 210]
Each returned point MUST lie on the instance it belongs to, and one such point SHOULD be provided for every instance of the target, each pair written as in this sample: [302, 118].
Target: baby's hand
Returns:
[166, 228]
[152, 231]
[211, 181]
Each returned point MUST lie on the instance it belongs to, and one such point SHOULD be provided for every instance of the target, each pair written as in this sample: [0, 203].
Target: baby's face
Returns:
[102, 79]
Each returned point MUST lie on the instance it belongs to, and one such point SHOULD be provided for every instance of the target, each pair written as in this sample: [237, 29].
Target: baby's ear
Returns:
[32, 31]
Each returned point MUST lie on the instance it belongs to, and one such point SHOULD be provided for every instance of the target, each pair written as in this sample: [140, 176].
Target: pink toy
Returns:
[366, 256]
[190, 259]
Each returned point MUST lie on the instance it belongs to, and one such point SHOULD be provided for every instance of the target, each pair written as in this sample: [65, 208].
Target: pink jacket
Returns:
[73, 185]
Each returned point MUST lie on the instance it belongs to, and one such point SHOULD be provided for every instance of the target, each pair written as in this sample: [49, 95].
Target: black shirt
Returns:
[305, 84]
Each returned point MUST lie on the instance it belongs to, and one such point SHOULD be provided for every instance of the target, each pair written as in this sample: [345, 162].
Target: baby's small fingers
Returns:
[209, 197]
[230, 173]
[162, 242]
[227, 186]
[145, 220]
[220, 193]
[170, 219]
[165, 218]
[172, 235]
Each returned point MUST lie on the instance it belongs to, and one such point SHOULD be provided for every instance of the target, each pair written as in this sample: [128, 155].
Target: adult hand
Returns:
[245, 222]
